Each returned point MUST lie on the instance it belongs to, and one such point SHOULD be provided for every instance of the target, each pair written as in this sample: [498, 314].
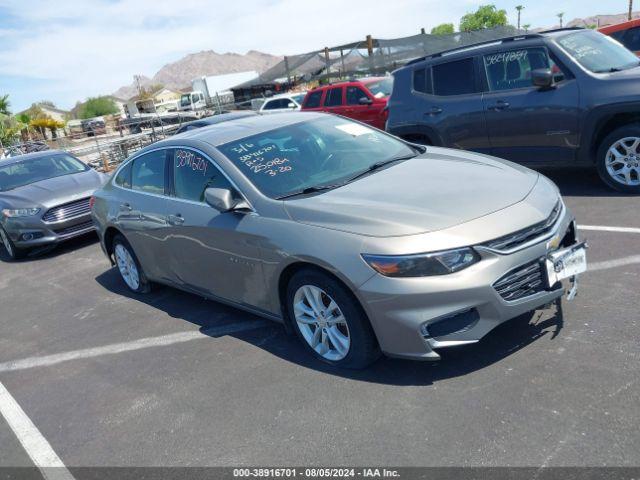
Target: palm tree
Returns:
[560, 15]
[630, 9]
[519, 8]
[526, 27]
[4, 105]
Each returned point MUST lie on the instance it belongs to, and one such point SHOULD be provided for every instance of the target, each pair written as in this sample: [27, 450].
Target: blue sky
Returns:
[67, 50]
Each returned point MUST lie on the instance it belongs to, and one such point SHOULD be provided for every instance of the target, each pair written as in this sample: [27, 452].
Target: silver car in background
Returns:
[44, 199]
[360, 242]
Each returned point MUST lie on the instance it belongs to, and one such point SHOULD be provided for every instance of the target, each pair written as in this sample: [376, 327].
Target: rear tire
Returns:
[618, 159]
[128, 266]
[329, 320]
[14, 252]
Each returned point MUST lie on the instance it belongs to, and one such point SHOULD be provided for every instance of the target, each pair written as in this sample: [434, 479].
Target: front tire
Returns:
[329, 320]
[14, 252]
[129, 267]
[618, 159]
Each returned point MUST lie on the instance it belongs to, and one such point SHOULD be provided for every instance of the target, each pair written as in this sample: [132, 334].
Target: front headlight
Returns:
[422, 264]
[20, 212]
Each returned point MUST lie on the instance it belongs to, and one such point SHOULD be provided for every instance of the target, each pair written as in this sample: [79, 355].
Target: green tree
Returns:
[487, 16]
[560, 16]
[526, 27]
[443, 29]
[9, 129]
[4, 105]
[97, 106]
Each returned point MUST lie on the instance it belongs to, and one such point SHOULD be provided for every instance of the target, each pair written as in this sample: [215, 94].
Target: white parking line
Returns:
[36, 446]
[599, 228]
[618, 262]
[114, 348]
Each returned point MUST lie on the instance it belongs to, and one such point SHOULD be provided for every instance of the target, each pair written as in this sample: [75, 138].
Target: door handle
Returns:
[434, 111]
[176, 219]
[500, 105]
[125, 207]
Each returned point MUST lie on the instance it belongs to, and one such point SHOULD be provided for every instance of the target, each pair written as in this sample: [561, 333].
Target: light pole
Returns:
[519, 8]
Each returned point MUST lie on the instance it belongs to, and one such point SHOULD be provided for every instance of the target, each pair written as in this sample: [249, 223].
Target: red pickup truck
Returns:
[363, 99]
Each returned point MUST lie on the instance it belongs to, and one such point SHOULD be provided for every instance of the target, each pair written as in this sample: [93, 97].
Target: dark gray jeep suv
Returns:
[564, 97]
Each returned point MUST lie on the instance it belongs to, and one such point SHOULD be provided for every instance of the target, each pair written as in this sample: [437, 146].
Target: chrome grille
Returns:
[67, 211]
[521, 282]
[521, 237]
[75, 228]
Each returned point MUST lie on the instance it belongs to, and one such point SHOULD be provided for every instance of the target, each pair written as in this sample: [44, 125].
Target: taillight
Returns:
[92, 201]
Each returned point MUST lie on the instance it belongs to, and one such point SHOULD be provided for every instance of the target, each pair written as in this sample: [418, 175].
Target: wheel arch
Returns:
[291, 269]
[604, 120]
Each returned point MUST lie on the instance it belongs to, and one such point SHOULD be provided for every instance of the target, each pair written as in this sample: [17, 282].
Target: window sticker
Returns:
[354, 129]
[504, 57]
[253, 157]
[188, 160]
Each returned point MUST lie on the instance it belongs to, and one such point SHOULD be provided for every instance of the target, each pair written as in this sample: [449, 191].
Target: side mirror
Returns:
[542, 78]
[365, 101]
[222, 200]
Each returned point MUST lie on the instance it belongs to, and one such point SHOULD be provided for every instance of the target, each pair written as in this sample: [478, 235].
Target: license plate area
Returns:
[566, 263]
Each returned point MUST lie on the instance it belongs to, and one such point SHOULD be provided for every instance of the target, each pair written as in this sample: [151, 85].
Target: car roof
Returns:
[284, 95]
[225, 132]
[223, 117]
[481, 46]
[353, 81]
[31, 156]
[619, 26]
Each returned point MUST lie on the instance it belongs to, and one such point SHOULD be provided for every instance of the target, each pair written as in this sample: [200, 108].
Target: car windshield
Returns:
[381, 88]
[34, 170]
[314, 153]
[598, 53]
[185, 100]
[299, 98]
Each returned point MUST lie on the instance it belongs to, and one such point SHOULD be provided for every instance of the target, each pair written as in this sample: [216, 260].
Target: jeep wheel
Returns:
[618, 160]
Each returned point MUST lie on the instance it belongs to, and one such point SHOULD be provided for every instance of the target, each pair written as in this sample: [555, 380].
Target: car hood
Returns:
[434, 191]
[54, 191]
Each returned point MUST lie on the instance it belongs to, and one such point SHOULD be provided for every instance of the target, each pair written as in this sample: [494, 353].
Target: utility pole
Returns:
[519, 8]
[560, 15]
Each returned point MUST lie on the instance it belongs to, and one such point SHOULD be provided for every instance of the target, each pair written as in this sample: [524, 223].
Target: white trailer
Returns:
[214, 91]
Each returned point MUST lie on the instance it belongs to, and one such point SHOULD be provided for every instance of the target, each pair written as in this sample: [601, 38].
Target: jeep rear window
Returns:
[454, 78]
[597, 52]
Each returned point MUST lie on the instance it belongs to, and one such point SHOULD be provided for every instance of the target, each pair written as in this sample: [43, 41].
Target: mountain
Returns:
[178, 75]
[598, 20]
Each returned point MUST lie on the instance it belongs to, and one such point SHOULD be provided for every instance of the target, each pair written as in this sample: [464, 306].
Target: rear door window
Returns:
[454, 78]
[148, 172]
[313, 100]
[333, 97]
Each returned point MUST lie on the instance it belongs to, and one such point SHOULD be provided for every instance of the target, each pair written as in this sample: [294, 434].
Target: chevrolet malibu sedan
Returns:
[44, 199]
[358, 241]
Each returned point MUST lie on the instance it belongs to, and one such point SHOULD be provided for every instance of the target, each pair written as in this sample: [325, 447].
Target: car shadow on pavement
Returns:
[52, 251]
[500, 343]
[580, 182]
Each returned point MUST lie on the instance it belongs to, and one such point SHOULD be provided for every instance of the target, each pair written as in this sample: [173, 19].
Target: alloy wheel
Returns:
[127, 267]
[321, 322]
[622, 161]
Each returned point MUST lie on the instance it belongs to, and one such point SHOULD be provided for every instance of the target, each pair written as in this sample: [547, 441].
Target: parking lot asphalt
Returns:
[113, 379]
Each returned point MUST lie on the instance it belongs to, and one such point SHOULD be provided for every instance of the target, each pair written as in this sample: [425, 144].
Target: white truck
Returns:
[214, 91]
